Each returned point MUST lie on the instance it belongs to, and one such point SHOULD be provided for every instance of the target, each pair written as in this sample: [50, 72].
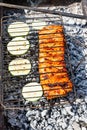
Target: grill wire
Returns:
[12, 85]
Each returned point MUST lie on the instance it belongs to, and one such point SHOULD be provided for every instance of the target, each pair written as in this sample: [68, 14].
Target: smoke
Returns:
[36, 2]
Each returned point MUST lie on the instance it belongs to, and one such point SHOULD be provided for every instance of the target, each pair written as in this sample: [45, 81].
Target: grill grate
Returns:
[12, 85]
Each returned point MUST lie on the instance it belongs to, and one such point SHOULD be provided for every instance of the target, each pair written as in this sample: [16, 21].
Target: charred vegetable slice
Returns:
[32, 91]
[18, 29]
[18, 46]
[19, 66]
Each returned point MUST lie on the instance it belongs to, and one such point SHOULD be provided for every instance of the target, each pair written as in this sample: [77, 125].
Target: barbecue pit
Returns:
[67, 41]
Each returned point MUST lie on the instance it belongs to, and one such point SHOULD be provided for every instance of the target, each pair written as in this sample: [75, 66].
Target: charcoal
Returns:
[33, 124]
[76, 126]
[86, 99]
[64, 111]
[68, 109]
[83, 128]
[43, 113]
[77, 118]
[49, 127]
[69, 128]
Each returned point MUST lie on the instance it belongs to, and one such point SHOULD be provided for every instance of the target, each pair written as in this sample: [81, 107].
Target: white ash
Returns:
[74, 116]
[83, 128]
[76, 126]
[63, 117]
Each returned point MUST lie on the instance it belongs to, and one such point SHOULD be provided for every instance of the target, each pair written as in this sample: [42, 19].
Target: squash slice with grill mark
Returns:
[18, 29]
[18, 46]
[38, 24]
[32, 91]
[19, 66]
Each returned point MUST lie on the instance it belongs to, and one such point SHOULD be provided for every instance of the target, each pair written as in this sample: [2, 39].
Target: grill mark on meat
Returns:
[54, 80]
[64, 85]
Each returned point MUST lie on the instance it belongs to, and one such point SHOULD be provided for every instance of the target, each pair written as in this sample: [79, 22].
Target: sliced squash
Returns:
[32, 91]
[18, 46]
[19, 66]
[18, 29]
[38, 24]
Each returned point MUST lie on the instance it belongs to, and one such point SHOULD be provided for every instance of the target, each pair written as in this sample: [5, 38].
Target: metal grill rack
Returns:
[12, 85]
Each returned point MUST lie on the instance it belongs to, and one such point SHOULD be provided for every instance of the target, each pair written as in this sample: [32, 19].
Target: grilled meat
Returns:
[52, 68]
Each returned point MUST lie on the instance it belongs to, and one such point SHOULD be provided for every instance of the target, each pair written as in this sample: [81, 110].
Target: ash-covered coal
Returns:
[16, 120]
[70, 116]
